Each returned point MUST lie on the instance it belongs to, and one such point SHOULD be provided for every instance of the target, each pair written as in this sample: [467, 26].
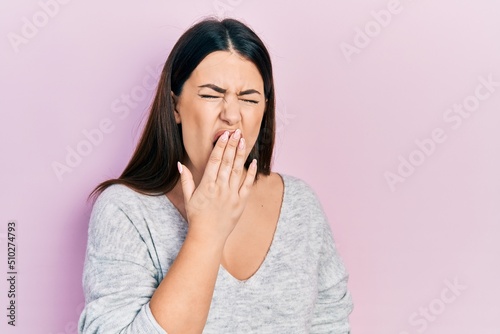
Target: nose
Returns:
[230, 112]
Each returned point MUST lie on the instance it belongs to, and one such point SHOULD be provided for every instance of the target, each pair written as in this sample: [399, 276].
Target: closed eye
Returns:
[250, 101]
[209, 97]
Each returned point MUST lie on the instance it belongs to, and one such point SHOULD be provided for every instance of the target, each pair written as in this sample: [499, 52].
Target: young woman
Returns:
[198, 235]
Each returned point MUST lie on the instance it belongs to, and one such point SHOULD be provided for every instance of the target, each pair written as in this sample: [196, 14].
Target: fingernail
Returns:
[179, 167]
[237, 134]
[225, 136]
[241, 145]
[254, 164]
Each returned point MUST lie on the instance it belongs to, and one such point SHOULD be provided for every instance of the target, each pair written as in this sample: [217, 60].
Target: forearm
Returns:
[181, 302]
[213, 207]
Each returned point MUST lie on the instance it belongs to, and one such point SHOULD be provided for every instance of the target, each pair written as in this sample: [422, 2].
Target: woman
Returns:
[198, 235]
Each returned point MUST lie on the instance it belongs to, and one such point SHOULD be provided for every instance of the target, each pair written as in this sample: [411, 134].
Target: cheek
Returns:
[193, 122]
[254, 130]
[195, 133]
[192, 137]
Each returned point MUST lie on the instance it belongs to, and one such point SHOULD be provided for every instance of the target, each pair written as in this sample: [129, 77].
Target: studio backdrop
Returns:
[389, 109]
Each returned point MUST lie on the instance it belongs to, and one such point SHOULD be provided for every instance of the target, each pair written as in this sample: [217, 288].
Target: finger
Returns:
[226, 165]
[214, 161]
[239, 165]
[247, 185]
[187, 182]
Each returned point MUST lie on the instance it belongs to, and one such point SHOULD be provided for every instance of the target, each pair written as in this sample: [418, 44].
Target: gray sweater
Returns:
[133, 239]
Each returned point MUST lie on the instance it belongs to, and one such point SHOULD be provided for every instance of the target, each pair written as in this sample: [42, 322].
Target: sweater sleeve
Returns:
[334, 302]
[119, 276]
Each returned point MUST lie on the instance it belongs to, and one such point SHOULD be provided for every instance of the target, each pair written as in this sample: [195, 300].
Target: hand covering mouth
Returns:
[220, 133]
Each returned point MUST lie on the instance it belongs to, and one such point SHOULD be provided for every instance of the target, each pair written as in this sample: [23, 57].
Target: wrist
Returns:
[205, 237]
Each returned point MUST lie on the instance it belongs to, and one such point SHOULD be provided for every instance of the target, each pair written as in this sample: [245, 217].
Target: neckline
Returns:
[269, 253]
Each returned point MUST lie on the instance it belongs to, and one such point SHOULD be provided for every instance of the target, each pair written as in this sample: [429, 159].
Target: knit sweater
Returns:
[133, 239]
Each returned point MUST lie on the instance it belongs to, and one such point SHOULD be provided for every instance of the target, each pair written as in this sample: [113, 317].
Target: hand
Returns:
[215, 206]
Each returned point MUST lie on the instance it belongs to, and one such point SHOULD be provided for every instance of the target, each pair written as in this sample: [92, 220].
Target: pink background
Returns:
[344, 122]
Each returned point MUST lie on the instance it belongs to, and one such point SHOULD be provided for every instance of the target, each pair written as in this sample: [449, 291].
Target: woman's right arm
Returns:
[181, 302]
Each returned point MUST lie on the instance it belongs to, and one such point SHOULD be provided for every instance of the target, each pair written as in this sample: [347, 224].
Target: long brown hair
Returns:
[152, 170]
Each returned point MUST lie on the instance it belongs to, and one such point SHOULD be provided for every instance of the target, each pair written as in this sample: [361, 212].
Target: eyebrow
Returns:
[222, 90]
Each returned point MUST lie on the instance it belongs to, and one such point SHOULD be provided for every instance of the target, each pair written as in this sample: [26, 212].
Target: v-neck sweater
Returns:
[133, 239]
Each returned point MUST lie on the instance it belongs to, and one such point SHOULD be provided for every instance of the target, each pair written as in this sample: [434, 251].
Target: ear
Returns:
[177, 115]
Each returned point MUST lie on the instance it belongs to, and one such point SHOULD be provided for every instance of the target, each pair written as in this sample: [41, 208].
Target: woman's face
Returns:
[224, 92]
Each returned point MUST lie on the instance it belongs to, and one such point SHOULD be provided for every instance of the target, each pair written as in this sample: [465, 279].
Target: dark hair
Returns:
[152, 170]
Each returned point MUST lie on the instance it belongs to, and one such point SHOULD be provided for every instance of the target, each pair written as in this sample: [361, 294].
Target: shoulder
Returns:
[292, 184]
[110, 208]
[116, 192]
[119, 204]
[123, 218]
[302, 201]
[303, 210]
[298, 190]
[117, 196]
